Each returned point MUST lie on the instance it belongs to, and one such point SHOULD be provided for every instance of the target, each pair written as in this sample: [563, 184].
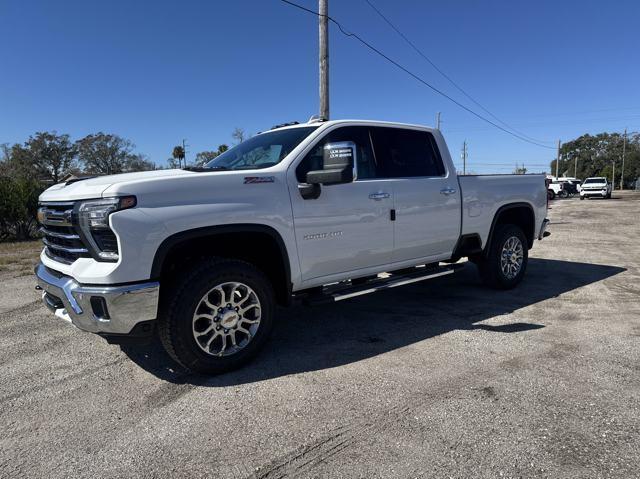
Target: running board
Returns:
[332, 294]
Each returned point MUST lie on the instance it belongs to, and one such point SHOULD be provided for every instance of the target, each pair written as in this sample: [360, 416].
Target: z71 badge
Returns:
[258, 179]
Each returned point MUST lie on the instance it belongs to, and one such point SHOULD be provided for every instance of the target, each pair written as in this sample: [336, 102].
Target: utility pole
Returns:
[464, 157]
[624, 147]
[184, 151]
[575, 167]
[438, 121]
[613, 176]
[323, 36]
[558, 160]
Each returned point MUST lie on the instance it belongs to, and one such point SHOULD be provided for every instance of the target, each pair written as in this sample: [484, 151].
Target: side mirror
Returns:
[338, 165]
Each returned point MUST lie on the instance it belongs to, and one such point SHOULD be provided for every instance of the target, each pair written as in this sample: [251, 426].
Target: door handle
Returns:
[447, 191]
[379, 196]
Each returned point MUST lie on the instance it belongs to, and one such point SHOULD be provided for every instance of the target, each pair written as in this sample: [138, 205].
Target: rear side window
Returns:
[404, 153]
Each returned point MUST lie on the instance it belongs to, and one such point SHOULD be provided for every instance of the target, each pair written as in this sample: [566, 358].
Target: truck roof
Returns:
[347, 121]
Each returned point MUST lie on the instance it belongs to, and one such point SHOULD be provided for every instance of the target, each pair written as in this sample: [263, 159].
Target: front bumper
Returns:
[590, 193]
[98, 309]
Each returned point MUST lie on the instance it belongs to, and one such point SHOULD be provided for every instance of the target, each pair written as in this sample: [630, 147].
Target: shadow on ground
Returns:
[308, 339]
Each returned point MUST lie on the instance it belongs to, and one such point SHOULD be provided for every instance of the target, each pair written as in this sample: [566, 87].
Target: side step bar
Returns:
[334, 293]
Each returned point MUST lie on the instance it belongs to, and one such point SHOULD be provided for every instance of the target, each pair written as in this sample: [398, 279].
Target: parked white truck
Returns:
[312, 211]
[596, 187]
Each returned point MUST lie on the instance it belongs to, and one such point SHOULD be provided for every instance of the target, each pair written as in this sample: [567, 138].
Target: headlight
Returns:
[93, 219]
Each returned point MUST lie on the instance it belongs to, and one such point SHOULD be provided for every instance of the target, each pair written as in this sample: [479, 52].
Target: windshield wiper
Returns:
[204, 168]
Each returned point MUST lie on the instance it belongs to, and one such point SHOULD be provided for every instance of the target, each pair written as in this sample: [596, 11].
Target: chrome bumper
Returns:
[543, 229]
[98, 309]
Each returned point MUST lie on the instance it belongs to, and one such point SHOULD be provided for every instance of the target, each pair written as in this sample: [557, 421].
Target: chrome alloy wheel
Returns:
[226, 319]
[511, 257]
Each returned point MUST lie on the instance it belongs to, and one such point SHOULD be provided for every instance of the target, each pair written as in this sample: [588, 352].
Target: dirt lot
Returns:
[441, 379]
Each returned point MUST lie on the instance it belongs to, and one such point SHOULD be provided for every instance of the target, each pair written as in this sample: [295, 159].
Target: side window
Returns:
[406, 153]
[366, 166]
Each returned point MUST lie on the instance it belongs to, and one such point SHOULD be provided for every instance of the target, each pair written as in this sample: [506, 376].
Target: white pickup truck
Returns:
[596, 187]
[313, 211]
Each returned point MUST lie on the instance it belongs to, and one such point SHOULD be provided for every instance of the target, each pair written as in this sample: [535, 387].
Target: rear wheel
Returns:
[506, 261]
[219, 316]
[563, 194]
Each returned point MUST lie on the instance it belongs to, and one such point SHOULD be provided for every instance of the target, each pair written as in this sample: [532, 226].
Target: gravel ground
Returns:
[439, 379]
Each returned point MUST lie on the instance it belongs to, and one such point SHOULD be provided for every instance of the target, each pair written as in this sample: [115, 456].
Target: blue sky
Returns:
[157, 72]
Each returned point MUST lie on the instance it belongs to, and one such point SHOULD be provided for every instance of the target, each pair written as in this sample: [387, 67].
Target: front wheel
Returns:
[219, 316]
[505, 263]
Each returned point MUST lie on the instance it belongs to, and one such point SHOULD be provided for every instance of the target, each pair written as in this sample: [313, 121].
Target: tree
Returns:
[206, 156]
[140, 162]
[16, 162]
[238, 134]
[18, 207]
[49, 155]
[178, 154]
[107, 154]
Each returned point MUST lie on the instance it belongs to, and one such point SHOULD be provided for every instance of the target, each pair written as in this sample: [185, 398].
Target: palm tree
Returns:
[178, 154]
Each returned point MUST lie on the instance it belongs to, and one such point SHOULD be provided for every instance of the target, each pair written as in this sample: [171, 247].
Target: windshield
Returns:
[261, 151]
[595, 180]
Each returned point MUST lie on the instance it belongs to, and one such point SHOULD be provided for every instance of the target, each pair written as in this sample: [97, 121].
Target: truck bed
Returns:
[483, 195]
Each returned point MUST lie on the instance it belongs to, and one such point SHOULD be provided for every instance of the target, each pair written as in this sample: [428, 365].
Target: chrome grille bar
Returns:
[66, 249]
[53, 234]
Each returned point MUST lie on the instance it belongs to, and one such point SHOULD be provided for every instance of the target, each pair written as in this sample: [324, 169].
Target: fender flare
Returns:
[501, 210]
[177, 238]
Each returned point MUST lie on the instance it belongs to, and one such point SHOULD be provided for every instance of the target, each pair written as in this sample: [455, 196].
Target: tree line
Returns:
[47, 158]
[596, 155]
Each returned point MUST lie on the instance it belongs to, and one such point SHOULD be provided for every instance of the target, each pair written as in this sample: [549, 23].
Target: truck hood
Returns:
[94, 187]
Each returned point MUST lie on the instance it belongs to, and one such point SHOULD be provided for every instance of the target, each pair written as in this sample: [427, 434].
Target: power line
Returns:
[562, 122]
[449, 79]
[410, 73]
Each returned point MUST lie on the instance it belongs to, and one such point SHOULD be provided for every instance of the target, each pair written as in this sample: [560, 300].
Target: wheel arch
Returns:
[258, 244]
[521, 214]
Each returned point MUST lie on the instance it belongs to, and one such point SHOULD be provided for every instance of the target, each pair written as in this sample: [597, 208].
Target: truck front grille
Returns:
[61, 240]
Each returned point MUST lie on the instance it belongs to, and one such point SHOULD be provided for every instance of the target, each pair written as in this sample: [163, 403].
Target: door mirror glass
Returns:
[338, 164]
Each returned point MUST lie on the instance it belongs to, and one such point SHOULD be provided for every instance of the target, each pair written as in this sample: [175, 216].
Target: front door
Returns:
[347, 228]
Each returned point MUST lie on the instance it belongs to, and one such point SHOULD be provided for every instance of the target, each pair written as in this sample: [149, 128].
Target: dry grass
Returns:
[19, 257]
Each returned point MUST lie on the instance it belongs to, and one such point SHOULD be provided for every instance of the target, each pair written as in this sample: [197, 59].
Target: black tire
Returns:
[490, 265]
[176, 314]
[563, 194]
[551, 194]
[581, 198]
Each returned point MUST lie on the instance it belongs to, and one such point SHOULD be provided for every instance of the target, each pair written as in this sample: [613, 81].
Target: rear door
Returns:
[426, 196]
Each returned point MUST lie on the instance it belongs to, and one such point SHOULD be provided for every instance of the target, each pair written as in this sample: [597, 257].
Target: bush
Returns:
[18, 208]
